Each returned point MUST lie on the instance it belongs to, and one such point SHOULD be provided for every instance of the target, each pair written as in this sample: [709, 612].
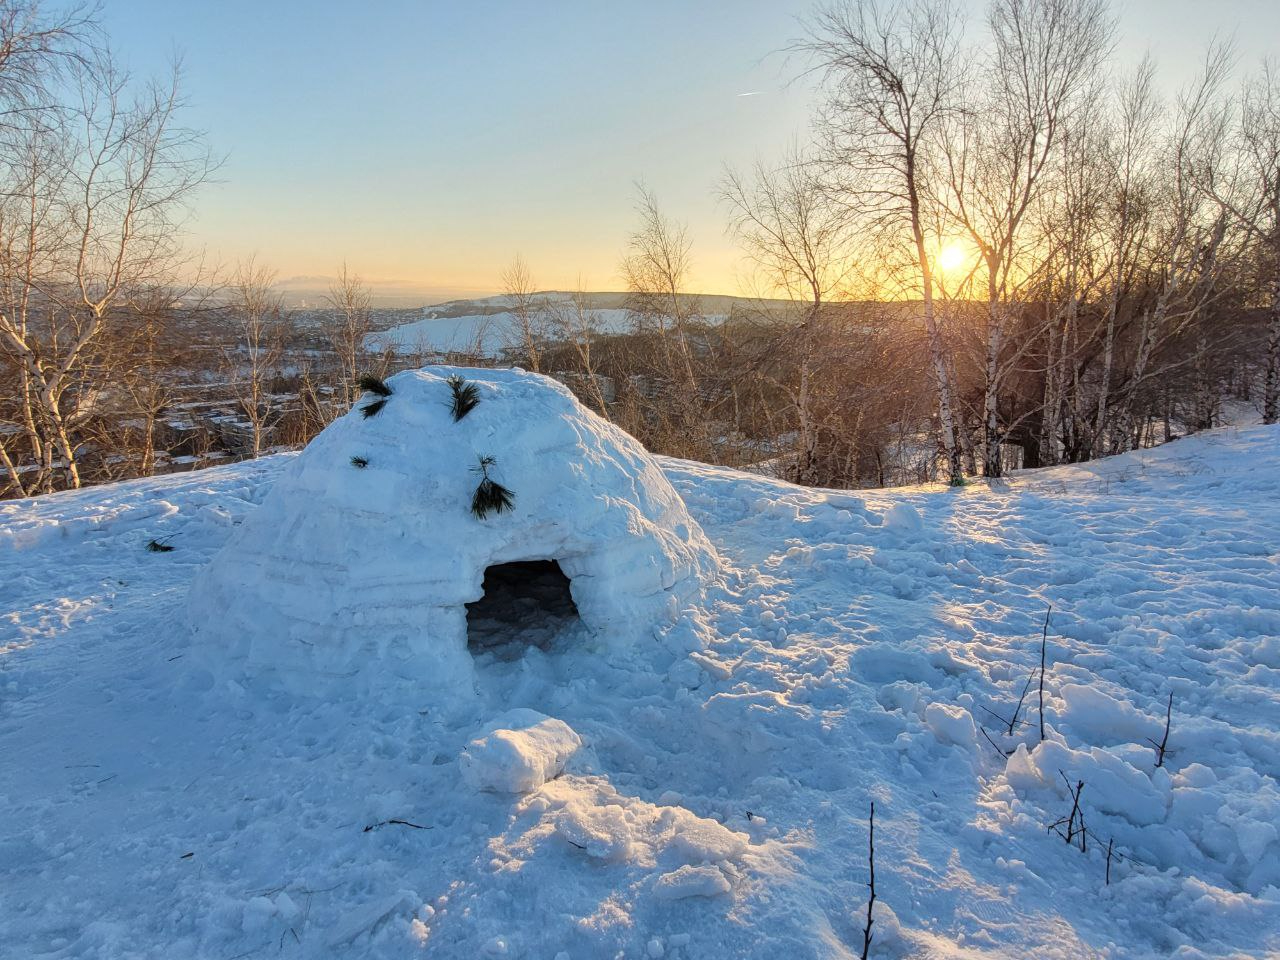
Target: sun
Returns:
[952, 257]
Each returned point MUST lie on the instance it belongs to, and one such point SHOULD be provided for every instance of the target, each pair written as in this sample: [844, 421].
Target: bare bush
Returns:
[252, 364]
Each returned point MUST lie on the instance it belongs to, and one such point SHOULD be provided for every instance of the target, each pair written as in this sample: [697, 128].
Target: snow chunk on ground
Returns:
[603, 832]
[699, 840]
[1114, 784]
[691, 881]
[1097, 717]
[609, 826]
[903, 518]
[366, 916]
[519, 752]
[951, 724]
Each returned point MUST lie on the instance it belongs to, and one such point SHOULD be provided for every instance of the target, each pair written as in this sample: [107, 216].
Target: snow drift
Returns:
[366, 551]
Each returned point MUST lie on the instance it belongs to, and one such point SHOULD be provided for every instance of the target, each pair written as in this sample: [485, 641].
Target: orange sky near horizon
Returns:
[425, 145]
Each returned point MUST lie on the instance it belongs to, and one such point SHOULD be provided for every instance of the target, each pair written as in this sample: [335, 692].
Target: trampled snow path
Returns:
[718, 805]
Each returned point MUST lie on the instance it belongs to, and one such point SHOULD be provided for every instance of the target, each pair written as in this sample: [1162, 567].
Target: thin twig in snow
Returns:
[402, 823]
[1074, 829]
[871, 859]
[1018, 709]
[1164, 741]
[992, 713]
[1044, 639]
[1004, 754]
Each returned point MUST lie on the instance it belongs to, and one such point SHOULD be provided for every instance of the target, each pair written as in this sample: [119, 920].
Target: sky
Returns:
[425, 144]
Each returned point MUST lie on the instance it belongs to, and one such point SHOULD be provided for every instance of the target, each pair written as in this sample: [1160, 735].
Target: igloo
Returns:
[366, 552]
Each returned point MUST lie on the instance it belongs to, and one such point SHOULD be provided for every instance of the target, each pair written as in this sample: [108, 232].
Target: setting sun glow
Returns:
[952, 257]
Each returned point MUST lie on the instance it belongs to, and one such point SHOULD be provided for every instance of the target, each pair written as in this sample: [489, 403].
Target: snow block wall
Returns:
[366, 551]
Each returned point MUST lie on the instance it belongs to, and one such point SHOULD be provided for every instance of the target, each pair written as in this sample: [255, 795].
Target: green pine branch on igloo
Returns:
[378, 387]
[490, 496]
[371, 384]
[465, 396]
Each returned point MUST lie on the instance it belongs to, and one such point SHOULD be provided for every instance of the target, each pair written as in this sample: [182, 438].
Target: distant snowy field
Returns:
[717, 807]
[483, 334]
[488, 330]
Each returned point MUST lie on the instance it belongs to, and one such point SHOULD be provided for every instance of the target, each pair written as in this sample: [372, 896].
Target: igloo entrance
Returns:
[525, 603]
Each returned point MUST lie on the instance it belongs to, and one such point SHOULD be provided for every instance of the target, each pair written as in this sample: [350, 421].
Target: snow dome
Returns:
[368, 550]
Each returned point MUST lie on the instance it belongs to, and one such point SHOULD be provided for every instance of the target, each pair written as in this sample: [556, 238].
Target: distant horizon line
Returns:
[426, 297]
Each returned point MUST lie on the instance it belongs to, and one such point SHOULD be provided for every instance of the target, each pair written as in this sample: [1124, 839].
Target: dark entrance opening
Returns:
[526, 603]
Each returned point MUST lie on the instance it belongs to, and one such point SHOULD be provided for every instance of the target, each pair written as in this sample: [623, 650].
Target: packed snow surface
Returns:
[357, 569]
[855, 648]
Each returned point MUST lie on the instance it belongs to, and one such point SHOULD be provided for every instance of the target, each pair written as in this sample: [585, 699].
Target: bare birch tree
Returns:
[656, 270]
[890, 73]
[1182, 252]
[1044, 58]
[253, 362]
[97, 171]
[1260, 134]
[347, 328]
[1250, 192]
[801, 242]
[575, 323]
[528, 310]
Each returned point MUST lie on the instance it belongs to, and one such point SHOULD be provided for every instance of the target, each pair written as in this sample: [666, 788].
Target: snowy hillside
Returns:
[482, 327]
[480, 334]
[715, 795]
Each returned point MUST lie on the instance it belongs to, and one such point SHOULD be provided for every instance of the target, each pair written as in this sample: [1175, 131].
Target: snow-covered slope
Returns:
[712, 791]
[481, 334]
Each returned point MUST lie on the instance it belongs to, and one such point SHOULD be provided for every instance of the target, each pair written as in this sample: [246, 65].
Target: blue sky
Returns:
[426, 143]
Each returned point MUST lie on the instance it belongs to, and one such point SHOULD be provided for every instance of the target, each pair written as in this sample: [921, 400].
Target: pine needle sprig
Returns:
[490, 496]
[359, 462]
[375, 385]
[465, 396]
[371, 384]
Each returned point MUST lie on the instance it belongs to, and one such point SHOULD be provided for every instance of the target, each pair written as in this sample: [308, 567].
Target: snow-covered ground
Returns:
[712, 791]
